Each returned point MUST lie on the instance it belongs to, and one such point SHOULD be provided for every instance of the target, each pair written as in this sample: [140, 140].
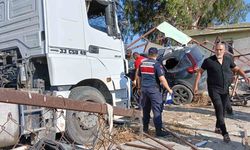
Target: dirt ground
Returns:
[196, 123]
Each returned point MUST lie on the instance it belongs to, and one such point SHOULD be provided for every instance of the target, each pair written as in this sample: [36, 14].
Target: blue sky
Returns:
[248, 15]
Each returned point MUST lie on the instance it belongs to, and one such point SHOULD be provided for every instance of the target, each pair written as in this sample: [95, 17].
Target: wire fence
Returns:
[34, 127]
[44, 131]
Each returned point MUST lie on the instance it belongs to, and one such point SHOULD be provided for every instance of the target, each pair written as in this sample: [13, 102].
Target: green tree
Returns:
[184, 14]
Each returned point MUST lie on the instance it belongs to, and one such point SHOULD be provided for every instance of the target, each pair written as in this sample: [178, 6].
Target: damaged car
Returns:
[180, 70]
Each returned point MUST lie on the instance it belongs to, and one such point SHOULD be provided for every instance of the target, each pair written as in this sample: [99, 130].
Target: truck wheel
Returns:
[83, 127]
[182, 94]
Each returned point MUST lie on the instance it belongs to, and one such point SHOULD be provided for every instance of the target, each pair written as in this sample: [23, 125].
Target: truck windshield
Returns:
[96, 15]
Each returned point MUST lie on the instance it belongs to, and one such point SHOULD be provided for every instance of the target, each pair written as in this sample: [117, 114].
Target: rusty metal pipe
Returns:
[170, 147]
[33, 99]
[181, 139]
[141, 146]
[147, 33]
[150, 144]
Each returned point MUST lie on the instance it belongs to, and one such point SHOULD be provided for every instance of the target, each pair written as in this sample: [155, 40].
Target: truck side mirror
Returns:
[110, 20]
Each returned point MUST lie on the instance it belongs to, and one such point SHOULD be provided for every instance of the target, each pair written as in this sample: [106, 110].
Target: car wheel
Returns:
[84, 127]
[182, 94]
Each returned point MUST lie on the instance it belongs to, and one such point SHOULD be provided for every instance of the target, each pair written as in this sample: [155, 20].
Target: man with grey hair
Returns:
[220, 68]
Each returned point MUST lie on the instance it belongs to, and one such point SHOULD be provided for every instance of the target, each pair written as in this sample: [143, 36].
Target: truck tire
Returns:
[182, 94]
[83, 127]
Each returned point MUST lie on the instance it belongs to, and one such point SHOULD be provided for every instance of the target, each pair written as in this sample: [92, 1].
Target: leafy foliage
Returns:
[184, 14]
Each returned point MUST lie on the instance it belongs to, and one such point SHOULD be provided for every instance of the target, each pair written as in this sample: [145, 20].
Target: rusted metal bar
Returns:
[141, 146]
[150, 144]
[168, 146]
[181, 139]
[202, 45]
[242, 55]
[235, 85]
[138, 46]
[33, 99]
[150, 31]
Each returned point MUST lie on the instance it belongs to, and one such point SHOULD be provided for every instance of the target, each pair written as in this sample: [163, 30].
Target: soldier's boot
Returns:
[145, 128]
[161, 133]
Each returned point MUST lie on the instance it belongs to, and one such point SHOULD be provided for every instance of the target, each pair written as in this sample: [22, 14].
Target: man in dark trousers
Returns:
[151, 75]
[220, 68]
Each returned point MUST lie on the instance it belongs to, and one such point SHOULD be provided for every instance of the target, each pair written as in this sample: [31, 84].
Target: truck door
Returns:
[102, 41]
[67, 60]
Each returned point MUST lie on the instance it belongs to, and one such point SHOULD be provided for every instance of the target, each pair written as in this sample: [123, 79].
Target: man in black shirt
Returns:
[220, 68]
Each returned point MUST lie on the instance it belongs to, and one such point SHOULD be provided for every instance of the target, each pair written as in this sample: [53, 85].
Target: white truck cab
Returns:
[69, 48]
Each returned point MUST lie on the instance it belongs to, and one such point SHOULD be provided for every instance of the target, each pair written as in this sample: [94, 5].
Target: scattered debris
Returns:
[201, 144]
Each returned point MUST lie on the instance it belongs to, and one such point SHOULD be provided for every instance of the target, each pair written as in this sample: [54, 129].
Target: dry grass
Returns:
[201, 99]
[120, 134]
[126, 134]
